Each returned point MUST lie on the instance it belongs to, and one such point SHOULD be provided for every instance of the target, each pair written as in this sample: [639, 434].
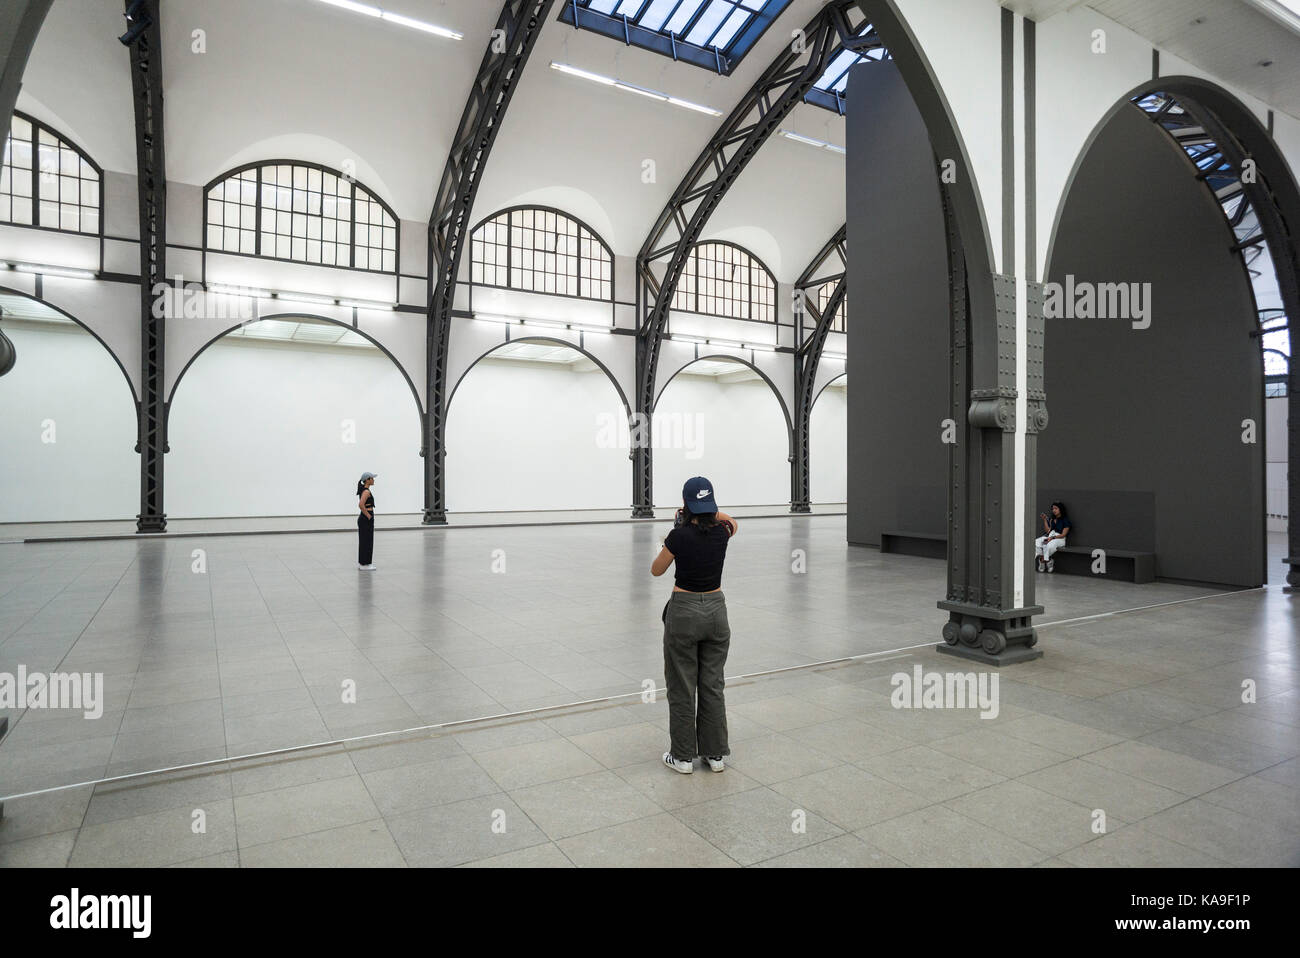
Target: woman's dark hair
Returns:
[361, 486]
[1061, 505]
[703, 521]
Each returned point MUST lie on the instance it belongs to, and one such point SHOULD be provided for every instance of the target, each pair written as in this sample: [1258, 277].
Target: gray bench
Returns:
[927, 545]
[1121, 564]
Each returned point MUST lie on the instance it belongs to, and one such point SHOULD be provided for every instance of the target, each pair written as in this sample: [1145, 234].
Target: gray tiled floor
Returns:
[1134, 718]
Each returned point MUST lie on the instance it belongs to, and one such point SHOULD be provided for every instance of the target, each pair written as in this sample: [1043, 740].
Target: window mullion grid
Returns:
[352, 238]
[257, 216]
[36, 170]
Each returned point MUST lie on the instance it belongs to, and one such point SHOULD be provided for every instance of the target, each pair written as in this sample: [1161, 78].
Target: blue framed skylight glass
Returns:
[714, 34]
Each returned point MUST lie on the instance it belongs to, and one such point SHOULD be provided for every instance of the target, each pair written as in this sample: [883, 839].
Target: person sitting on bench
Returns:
[1055, 528]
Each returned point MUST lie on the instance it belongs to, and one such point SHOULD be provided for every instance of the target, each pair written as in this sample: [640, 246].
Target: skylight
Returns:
[714, 34]
[829, 90]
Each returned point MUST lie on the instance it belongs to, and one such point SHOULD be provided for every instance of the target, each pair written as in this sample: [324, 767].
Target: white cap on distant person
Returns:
[368, 475]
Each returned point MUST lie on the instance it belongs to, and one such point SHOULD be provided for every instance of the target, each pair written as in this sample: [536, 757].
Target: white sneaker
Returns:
[717, 764]
[367, 568]
[684, 767]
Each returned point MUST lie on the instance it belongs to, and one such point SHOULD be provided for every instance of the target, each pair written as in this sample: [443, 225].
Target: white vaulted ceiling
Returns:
[304, 80]
[1229, 39]
[301, 79]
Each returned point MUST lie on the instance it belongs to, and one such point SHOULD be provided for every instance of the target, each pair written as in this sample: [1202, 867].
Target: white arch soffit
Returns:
[587, 355]
[827, 376]
[773, 379]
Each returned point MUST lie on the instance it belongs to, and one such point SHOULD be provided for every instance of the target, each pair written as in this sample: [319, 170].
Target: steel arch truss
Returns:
[1261, 232]
[785, 84]
[513, 40]
[144, 38]
[829, 266]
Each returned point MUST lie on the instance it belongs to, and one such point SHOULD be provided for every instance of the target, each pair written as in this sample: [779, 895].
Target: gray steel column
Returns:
[808, 357]
[983, 623]
[517, 29]
[144, 38]
[785, 84]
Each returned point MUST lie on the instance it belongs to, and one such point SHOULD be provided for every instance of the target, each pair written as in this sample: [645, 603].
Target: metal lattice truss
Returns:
[785, 84]
[513, 40]
[1247, 206]
[829, 266]
[145, 41]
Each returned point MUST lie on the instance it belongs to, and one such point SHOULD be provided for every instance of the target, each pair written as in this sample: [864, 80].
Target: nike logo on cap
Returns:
[703, 494]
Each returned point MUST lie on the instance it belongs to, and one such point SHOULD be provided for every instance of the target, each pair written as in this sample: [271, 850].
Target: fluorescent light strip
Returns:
[397, 18]
[725, 343]
[633, 88]
[53, 270]
[306, 299]
[542, 323]
[820, 144]
[246, 292]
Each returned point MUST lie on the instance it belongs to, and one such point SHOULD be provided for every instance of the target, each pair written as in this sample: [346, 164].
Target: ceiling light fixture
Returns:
[633, 88]
[53, 270]
[397, 18]
[808, 140]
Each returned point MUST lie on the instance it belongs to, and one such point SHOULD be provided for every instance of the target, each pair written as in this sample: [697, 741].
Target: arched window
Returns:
[824, 293]
[541, 250]
[47, 181]
[722, 279]
[300, 212]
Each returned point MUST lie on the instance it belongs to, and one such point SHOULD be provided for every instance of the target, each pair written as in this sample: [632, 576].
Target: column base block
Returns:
[1011, 656]
[990, 635]
[150, 524]
[434, 517]
[643, 512]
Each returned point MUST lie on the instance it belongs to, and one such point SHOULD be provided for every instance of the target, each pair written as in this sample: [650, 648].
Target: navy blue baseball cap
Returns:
[698, 494]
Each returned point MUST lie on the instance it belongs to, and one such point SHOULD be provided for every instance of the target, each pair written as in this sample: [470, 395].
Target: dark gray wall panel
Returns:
[898, 287]
[1155, 415]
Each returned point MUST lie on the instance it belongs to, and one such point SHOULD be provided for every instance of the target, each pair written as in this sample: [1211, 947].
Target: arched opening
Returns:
[1163, 271]
[68, 431]
[720, 417]
[280, 417]
[536, 424]
[828, 443]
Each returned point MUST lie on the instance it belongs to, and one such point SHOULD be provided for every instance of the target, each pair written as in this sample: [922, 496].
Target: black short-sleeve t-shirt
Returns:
[698, 555]
[1059, 524]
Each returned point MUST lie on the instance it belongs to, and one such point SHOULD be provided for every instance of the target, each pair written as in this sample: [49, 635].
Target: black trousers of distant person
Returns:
[366, 539]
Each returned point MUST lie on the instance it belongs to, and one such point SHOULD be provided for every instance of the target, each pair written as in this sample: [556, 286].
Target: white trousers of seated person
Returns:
[1045, 549]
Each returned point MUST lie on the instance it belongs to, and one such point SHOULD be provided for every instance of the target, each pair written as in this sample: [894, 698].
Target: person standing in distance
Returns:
[366, 523]
[696, 633]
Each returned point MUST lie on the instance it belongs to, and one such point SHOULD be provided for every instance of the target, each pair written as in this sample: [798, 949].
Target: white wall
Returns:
[1275, 417]
[828, 447]
[257, 430]
[732, 433]
[90, 470]
[536, 436]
